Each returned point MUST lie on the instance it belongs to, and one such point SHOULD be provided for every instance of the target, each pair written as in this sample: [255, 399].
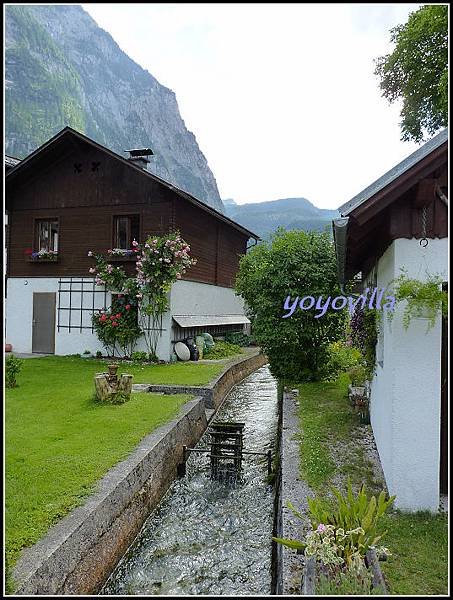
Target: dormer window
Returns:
[126, 228]
[46, 235]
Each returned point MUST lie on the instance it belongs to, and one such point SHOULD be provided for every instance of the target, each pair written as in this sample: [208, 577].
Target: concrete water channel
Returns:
[209, 537]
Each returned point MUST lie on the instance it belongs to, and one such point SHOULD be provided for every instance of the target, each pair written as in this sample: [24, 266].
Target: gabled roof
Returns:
[11, 162]
[398, 170]
[363, 231]
[69, 133]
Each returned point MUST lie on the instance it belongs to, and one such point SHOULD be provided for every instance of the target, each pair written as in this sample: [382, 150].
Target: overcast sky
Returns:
[281, 98]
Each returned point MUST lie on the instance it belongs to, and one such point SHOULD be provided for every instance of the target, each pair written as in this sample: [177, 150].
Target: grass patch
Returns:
[326, 418]
[59, 441]
[180, 373]
[418, 542]
[419, 545]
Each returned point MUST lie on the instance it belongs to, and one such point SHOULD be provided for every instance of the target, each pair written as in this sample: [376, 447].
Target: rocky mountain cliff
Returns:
[264, 218]
[62, 69]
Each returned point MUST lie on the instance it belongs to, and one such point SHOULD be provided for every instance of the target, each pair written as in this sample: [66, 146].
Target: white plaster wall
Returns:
[381, 389]
[186, 297]
[405, 403]
[192, 298]
[19, 316]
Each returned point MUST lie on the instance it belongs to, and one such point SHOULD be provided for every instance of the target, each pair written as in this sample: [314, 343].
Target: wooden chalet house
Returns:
[381, 231]
[73, 195]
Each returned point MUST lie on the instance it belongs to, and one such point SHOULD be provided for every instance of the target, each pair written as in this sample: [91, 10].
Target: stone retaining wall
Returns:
[79, 553]
[214, 392]
[294, 489]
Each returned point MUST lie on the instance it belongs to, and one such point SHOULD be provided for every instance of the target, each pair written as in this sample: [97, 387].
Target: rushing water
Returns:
[207, 537]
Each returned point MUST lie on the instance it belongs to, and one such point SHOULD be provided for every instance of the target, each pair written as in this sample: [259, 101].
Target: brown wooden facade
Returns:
[84, 186]
[397, 212]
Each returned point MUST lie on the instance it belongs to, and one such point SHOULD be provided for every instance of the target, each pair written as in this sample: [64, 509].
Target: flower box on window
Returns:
[43, 256]
[119, 255]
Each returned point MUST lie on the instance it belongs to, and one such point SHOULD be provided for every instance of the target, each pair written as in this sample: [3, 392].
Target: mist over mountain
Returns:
[264, 218]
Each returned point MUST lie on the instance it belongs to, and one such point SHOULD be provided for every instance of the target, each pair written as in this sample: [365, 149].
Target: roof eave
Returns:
[182, 193]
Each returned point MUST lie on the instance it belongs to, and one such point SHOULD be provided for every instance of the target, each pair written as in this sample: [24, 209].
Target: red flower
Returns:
[118, 316]
[28, 251]
[127, 307]
[114, 323]
[103, 318]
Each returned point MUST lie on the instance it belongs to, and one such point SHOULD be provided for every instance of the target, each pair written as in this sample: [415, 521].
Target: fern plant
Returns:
[423, 298]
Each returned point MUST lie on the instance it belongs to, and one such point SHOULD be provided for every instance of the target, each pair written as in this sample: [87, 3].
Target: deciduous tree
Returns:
[417, 71]
[292, 263]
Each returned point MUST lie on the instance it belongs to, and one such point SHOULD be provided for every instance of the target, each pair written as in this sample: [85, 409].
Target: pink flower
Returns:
[92, 270]
[321, 528]
[134, 243]
[114, 324]
[127, 307]
[109, 251]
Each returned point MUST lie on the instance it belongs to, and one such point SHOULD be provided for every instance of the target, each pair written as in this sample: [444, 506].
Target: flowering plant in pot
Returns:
[45, 255]
[342, 535]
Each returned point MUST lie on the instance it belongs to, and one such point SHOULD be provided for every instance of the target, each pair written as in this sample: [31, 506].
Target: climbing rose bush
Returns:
[161, 260]
[117, 328]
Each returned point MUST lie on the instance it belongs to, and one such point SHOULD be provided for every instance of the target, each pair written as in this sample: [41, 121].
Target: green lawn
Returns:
[417, 541]
[59, 441]
[326, 418]
[419, 544]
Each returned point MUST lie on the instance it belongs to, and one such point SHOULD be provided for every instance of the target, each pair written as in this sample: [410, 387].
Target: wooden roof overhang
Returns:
[367, 227]
[58, 148]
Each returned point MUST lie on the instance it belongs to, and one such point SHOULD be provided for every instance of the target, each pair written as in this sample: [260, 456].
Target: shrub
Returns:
[117, 328]
[221, 350]
[292, 265]
[341, 357]
[139, 356]
[13, 365]
[238, 337]
[358, 375]
[364, 327]
[98, 354]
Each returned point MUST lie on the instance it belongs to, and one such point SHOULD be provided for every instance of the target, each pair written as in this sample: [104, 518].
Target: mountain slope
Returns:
[290, 213]
[62, 69]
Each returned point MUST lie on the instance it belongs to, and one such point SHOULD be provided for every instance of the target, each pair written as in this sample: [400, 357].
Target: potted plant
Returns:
[424, 299]
[340, 550]
[44, 256]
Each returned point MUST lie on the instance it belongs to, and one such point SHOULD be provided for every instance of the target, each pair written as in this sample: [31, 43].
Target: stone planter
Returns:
[313, 569]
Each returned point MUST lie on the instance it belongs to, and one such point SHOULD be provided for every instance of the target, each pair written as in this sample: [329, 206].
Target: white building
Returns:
[401, 222]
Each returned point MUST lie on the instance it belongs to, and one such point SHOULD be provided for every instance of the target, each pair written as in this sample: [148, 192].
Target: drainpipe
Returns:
[340, 228]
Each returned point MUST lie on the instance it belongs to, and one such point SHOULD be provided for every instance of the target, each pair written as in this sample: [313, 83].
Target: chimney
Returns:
[138, 156]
